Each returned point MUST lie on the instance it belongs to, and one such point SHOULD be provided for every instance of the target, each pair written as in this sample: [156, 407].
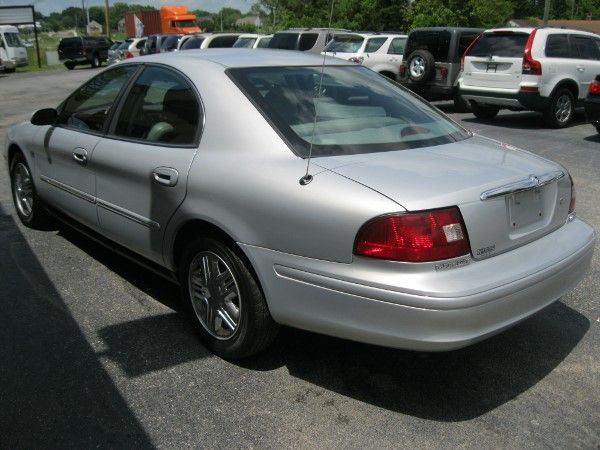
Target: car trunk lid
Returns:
[507, 197]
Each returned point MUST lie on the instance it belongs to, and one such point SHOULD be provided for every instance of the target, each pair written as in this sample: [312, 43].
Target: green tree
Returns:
[490, 13]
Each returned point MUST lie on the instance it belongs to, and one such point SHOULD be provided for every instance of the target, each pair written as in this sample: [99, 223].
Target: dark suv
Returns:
[431, 62]
[91, 50]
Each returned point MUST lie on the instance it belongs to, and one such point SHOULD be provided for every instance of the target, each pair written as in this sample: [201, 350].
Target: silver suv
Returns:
[380, 52]
[540, 69]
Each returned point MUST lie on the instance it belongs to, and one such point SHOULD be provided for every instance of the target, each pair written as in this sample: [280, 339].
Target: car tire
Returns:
[559, 112]
[11, 70]
[420, 66]
[460, 104]
[69, 65]
[484, 112]
[29, 206]
[225, 302]
[95, 61]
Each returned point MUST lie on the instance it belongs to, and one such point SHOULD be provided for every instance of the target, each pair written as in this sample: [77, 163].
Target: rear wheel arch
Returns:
[388, 74]
[14, 150]
[195, 228]
[568, 84]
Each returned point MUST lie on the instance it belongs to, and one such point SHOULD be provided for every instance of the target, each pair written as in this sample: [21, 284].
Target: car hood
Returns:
[444, 175]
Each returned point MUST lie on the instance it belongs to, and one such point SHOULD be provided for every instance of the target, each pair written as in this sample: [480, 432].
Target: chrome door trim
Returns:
[128, 214]
[531, 182]
[71, 190]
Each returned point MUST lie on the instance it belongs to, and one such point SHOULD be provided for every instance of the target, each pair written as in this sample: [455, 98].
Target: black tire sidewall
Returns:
[241, 343]
[37, 217]
[484, 112]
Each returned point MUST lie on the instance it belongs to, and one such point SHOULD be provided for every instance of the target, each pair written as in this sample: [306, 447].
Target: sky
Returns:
[48, 6]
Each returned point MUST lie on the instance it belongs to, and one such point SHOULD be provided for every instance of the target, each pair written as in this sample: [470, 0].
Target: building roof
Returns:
[593, 26]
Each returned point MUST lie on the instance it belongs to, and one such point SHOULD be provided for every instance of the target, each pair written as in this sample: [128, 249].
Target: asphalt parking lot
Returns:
[96, 353]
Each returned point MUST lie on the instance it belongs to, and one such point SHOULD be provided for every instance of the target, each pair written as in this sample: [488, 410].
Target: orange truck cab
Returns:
[177, 19]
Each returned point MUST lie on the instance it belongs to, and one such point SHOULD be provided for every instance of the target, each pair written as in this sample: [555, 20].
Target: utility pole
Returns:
[546, 11]
[86, 14]
[106, 19]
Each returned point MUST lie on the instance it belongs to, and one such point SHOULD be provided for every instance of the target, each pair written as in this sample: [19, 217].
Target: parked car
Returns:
[381, 52]
[208, 40]
[538, 69]
[304, 39]
[113, 55]
[170, 43]
[1, 66]
[12, 50]
[249, 40]
[592, 103]
[408, 231]
[93, 50]
[431, 62]
[154, 43]
[133, 49]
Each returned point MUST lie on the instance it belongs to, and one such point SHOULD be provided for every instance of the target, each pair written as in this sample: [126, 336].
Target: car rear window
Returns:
[70, 43]
[504, 44]
[437, 42]
[307, 41]
[223, 42]
[358, 111]
[284, 41]
[345, 43]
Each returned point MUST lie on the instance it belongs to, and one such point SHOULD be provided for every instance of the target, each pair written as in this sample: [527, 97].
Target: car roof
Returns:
[450, 29]
[242, 57]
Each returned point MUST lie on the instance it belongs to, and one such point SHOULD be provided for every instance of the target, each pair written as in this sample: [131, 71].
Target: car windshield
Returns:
[247, 42]
[435, 42]
[358, 111]
[345, 43]
[184, 24]
[507, 44]
[12, 39]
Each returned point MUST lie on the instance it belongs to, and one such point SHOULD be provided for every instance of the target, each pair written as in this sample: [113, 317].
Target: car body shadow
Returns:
[525, 120]
[55, 393]
[449, 387]
[593, 138]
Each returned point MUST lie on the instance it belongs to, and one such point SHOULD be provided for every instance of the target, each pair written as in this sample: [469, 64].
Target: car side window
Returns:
[557, 46]
[160, 107]
[89, 106]
[140, 44]
[307, 41]
[222, 42]
[374, 44]
[397, 46]
[152, 42]
[585, 47]
[464, 41]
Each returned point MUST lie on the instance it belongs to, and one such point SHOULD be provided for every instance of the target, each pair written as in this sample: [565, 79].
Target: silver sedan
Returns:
[279, 191]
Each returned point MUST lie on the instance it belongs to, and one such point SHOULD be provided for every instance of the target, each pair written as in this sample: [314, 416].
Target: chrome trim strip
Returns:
[128, 214]
[71, 190]
[532, 182]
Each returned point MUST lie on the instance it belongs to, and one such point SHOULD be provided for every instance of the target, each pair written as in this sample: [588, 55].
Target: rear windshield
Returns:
[507, 44]
[345, 43]
[192, 43]
[437, 42]
[244, 42]
[358, 110]
[284, 41]
[70, 43]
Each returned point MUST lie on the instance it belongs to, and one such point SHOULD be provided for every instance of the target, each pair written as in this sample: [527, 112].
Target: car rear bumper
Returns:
[75, 60]
[592, 109]
[510, 99]
[423, 310]
[430, 92]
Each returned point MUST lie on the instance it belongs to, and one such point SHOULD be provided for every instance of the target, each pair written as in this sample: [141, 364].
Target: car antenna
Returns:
[307, 178]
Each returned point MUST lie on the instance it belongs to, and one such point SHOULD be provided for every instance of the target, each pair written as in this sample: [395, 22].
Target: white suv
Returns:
[540, 69]
[381, 52]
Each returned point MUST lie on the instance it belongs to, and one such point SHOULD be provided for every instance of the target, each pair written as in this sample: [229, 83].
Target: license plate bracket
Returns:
[525, 208]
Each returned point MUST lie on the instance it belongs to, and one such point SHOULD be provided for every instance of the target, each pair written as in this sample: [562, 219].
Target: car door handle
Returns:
[80, 156]
[165, 176]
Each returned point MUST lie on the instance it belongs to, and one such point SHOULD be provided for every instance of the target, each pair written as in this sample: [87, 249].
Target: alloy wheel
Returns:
[417, 67]
[215, 295]
[23, 189]
[563, 108]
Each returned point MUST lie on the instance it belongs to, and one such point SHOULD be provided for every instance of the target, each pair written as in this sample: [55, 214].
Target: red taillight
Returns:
[402, 69]
[529, 89]
[594, 88]
[356, 59]
[128, 55]
[530, 65]
[573, 196]
[443, 72]
[414, 237]
[467, 50]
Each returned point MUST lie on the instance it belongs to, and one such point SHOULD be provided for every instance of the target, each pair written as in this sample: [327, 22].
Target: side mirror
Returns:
[46, 116]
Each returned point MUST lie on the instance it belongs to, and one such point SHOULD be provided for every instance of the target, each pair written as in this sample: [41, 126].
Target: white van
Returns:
[12, 51]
